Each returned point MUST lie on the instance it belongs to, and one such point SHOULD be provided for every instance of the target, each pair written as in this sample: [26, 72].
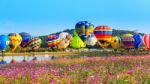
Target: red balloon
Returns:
[146, 41]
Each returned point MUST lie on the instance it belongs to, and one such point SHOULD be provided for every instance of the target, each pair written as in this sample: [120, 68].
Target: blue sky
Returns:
[42, 17]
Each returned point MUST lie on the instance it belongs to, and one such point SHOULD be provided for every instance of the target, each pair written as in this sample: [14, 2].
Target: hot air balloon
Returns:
[137, 40]
[90, 41]
[35, 43]
[15, 40]
[4, 42]
[116, 42]
[83, 29]
[77, 42]
[25, 39]
[103, 35]
[65, 39]
[53, 41]
[128, 41]
[146, 41]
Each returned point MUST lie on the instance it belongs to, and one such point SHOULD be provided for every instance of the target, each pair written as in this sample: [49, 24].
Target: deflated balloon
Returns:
[4, 42]
[103, 35]
[15, 40]
[146, 41]
[77, 42]
[116, 42]
[25, 39]
[128, 41]
[35, 43]
[53, 41]
[137, 40]
[90, 41]
[83, 29]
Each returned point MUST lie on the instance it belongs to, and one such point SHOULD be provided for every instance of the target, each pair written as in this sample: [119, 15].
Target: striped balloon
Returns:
[146, 41]
[53, 41]
[25, 38]
[128, 41]
[35, 43]
[137, 40]
[103, 35]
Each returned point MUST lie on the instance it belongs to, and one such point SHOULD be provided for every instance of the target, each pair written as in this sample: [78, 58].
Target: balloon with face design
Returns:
[103, 35]
[84, 29]
[116, 42]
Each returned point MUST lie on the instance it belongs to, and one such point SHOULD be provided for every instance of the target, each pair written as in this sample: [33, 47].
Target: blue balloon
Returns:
[4, 42]
[137, 40]
[25, 38]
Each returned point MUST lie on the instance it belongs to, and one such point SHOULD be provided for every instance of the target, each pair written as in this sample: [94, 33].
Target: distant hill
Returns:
[115, 33]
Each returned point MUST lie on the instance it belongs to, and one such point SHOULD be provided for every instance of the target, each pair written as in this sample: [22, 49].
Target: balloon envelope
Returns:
[15, 40]
[137, 40]
[53, 41]
[77, 42]
[103, 35]
[25, 38]
[90, 41]
[128, 41]
[83, 29]
[146, 41]
[35, 43]
[116, 42]
[4, 42]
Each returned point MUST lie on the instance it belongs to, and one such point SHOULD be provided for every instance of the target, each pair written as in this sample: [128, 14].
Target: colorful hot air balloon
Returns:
[90, 41]
[63, 35]
[53, 41]
[77, 42]
[25, 39]
[83, 29]
[103, 35]
[116, 42]
[4, 42]
[146, 41]
[137, 40]
[15, 40]
[35, 43]
[65, 39]
[128, 41]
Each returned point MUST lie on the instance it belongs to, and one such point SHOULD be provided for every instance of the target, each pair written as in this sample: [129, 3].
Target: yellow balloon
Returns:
[115, 42]
[15, 40]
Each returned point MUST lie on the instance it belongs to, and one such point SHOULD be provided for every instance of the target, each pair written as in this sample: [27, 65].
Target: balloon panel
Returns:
[53, 40]
[116, 41]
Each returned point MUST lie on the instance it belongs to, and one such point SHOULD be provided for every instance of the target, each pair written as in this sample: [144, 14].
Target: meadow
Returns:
[86, 70]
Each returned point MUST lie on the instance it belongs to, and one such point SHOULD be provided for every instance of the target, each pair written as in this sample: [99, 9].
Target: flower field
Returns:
[94, 70]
